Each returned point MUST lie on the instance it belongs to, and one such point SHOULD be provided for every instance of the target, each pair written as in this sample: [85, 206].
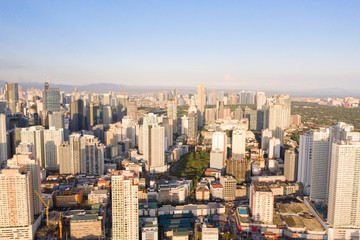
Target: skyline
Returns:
[259, 45]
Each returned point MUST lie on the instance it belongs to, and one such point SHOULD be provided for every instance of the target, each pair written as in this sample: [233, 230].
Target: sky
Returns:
[269, 44]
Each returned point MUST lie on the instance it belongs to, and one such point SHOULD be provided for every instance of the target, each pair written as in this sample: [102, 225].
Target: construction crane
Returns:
[47, 208]
[60, 222]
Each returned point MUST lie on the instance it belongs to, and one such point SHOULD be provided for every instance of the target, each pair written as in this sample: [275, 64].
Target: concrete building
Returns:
[3, 140]
[149, 229]
[209, 233]
[290, 165]
[132, 110]
[219, 141]
[16, 213]
[260, 100]
[200, 103]
[344, 199]
[238, 143]
[12, 96]
[217, 159]
[52, 139]
[51, 98]
[238, 168]
[210, 115]
[261, 202]
[35, 135]
[88, 226]
[125, 217]
[229, 187]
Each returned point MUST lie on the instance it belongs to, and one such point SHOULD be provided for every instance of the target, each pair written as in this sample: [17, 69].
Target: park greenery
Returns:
[192, 165]
[314, 115]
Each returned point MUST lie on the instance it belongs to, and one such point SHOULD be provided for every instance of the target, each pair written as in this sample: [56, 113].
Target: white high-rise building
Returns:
[35, 135]
[16, 215]
[274, 148]
[261, 202]
[200, 103]
[184, 125]
[260, 100]
[238, 144]
[344, 191]
[3, 140]
[148, 121]
[52, 139]
[313, 164]
[125, 202]
[217, 159]
[92, 155]
[219, 141]
[157, 149]
[266, 134]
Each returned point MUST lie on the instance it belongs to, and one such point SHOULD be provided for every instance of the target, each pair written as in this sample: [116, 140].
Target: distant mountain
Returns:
[106, 87]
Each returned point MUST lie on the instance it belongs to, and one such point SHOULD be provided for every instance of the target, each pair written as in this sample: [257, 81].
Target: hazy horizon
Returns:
[265, 45]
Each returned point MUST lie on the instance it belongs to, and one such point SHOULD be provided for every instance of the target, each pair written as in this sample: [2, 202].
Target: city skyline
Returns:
[263, 45]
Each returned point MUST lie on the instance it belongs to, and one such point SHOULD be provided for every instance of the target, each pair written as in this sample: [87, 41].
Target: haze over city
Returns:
[264, 45]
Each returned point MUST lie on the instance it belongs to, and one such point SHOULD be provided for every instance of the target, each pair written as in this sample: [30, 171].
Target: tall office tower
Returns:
[169, 131]
[12, 96]
[290, 165]
[233, 100]
[210, 115]
[16, 215]
[192, 125]
[344, 197]
[77, 115]
[242, 97]
[148, 121]
[94, 115]
[35, 135]
[92, 155]
[125, 202]
[238, 143]
[212, 98]
[219, 141]
[132, 110]
[3, 140]
[52, 139]
[313, 163]
[229, 187]
[184, 125]
[172, 108]
[261, 202]
[33, 167]
[220, 109]
[238, 113]
[217, 159]
[107, 114]
[286, 102]
[200, 103]
[239, 168]
[57, 120]
[260, 120]
[51, 99]
[252, 116]
[73, 148]
[66, 165]
[260, 100]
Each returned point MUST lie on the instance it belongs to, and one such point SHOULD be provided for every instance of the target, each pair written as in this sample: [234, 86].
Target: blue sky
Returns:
[242, 44]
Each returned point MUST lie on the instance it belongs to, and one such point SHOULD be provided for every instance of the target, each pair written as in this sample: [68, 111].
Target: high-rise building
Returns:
[229, 187]
[252, 116]
[238, 143]
[220, 110]
[313, 163]
[238, 113]
[52, 139]
[172, 108]
[157, 149]
[51, 98]
[219, 141]
[77, 115]
[169, 131]
[35, 135]
[184, 125]
[12, 96]
[290, 165]
[3, 140]
[239, 168]
[57, 120]
[125, 202]
[107, 114]
[192, 125]
[132, 110]
[94, 114]
[148, 121]
[32, 166]
[92, 155]
[210, 115]
[217, 159]
[200, 103]
[260, 100]
[344, 195]
[16, 213]
[261, 202]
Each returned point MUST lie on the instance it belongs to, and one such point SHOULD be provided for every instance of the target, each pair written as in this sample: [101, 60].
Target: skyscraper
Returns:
[131, 110]
[260, 100]
[261, 202]
[200, 103]
[290, 165]
[238, 143]
[51, 99]
[52, 139]
[172, 108]
[169, 130]
[35, 136]
[344, 191]
[219, 141]
[157, 148]
[125, 202]
[220, 110]
[16, 214]
[77, 115]
[3, 140]
[12, 96]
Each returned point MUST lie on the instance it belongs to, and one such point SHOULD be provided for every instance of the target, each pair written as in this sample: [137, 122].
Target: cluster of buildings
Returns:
[97, 166]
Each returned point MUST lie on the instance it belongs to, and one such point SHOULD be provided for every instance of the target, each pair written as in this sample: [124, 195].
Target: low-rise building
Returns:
[86, 226]
[202, 193]
[98, 196]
